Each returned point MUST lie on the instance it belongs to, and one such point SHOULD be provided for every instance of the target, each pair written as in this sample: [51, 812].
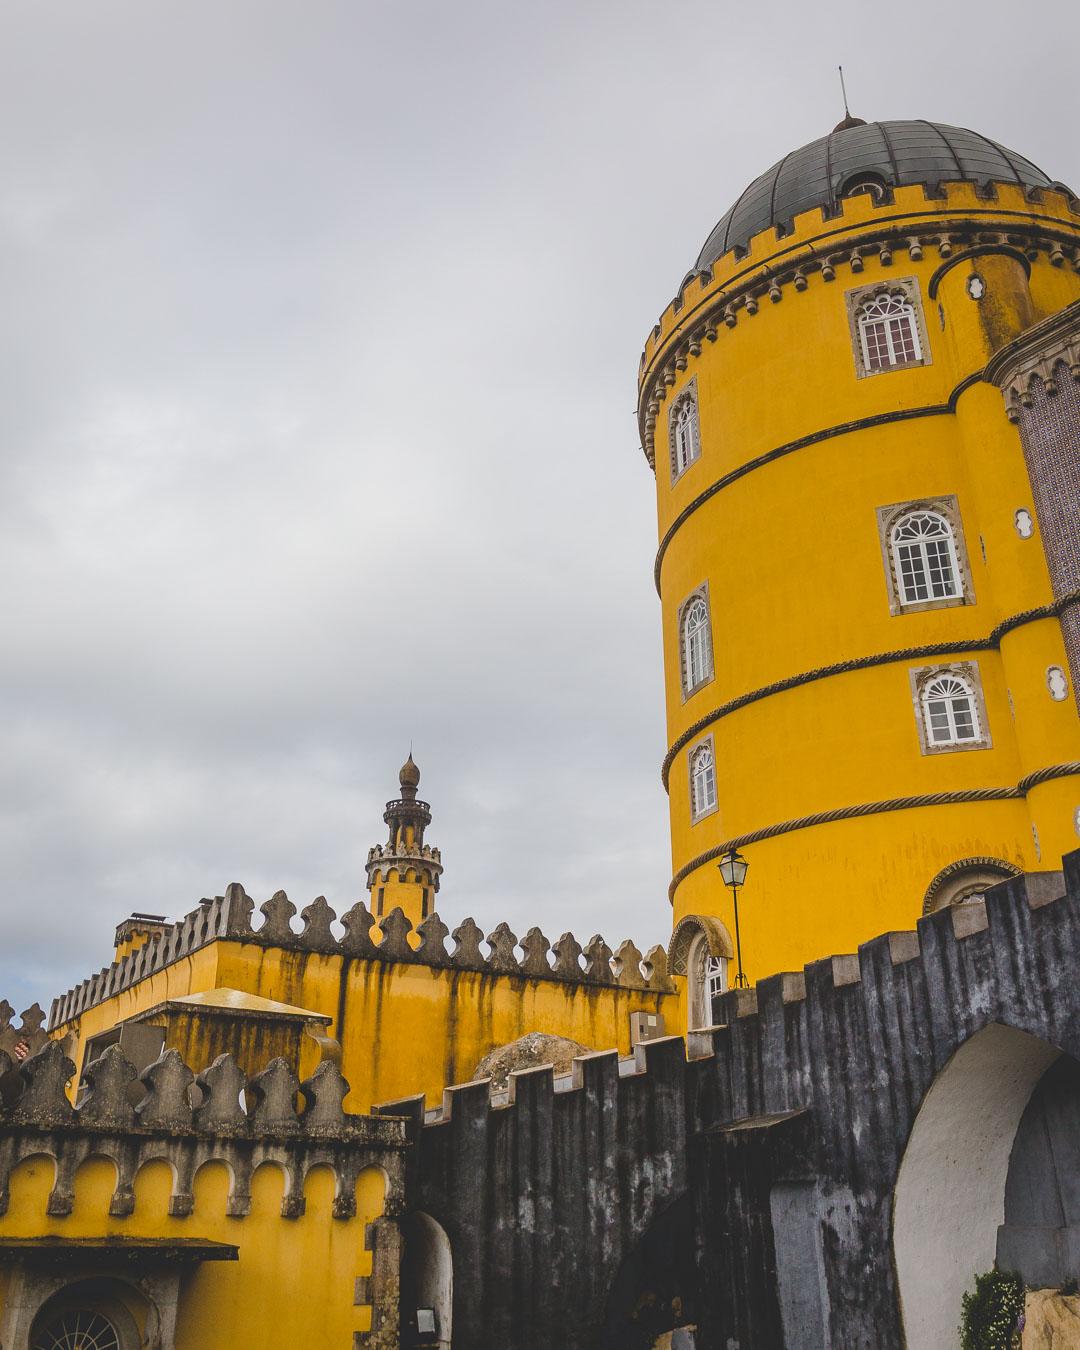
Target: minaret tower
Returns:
[404, 872]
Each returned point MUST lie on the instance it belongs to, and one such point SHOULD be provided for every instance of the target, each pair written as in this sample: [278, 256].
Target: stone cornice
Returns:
[1034, 356]
[790, 269]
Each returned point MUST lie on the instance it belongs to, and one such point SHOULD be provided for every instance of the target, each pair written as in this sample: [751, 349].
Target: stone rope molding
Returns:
[948, 408]
[993, 640]
[1001, 794]
[672, 352]
[228, 916]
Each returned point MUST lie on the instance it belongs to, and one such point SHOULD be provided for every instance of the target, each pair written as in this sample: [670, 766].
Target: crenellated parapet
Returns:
[389, 939]
[915, 222]
[813, 1080]
[188, 1118]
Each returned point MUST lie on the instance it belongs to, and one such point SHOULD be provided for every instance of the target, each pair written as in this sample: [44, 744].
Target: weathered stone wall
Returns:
[786, 1127]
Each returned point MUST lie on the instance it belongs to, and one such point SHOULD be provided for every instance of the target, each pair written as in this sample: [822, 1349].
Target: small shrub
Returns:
[993, 1313]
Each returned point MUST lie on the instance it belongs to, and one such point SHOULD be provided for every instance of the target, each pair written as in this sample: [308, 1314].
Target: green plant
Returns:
[993, 1313]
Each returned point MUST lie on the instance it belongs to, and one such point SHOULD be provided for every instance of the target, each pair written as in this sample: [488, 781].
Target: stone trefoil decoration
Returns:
[129, 1117]
[229, 917]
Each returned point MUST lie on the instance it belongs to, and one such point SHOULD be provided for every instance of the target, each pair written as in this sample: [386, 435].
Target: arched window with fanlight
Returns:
[888, 331]
[78, 1329]
[925, 558]
[695, 640]
[949, 708]
[702, 780]
[684, 431]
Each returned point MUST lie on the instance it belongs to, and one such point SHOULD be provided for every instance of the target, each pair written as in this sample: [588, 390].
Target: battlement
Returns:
[170, 1112]
[228, 917]
[912, 221]
[943, 943]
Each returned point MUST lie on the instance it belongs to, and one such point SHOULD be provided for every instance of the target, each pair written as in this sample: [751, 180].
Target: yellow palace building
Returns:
[869, 562]
[356, 1128]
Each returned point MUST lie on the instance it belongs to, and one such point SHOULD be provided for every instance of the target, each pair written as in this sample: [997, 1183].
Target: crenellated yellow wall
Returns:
[403, 1028]
[286, 1268]
[791, 554]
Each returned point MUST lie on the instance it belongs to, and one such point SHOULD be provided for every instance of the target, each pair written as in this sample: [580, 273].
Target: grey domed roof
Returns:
[899, 153]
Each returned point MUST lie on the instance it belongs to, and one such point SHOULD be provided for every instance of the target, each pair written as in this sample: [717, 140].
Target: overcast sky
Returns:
[319, 328]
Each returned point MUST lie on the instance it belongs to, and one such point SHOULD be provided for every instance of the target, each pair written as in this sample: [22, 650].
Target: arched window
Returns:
[78, 1329]
[685, 436]
[949, 711]
[702, 781]
[924, 558]
[696, 644]
[888, 331]
[707, 975]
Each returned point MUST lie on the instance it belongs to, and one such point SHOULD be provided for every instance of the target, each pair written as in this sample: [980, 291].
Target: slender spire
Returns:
[848, 121]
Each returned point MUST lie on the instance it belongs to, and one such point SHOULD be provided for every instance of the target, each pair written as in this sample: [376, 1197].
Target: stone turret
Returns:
[404, 872]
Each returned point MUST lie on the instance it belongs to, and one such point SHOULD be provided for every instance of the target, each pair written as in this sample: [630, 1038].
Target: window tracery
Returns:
[702, 780]
[888, 331]
[696, 640]
[925, 558]
[684, 431]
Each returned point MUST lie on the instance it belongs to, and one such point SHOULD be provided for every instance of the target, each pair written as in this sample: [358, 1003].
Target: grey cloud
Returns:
[317, 360]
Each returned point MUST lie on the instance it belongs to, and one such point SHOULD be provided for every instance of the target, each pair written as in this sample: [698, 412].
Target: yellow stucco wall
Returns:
[286, 1267]
[404, 1029]
[792, 558]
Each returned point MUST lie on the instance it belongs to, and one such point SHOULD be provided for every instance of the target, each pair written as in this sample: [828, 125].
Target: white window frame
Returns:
[902, 293]
[698, 644]
[891, 520]
[946, 687]
[917, 550]
[888, 311]
[700, 809]
[684, 452]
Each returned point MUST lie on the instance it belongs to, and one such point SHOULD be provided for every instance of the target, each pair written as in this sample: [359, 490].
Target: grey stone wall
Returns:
[781, 1137]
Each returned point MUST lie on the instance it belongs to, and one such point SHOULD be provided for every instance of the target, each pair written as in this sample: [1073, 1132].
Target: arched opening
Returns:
[700, 949]
[964, 881]
[653, 1298]
[949, 1201]
[100, 1314]
[427, 1284]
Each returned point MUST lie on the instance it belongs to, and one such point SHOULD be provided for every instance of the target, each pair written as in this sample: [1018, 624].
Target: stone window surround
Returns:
[888, 516]
[920, 676]
[698, 593]
[853, 299]
[691, 750]
[687, 395]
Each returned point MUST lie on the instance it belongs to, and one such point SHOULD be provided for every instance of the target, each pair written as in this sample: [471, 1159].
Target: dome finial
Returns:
[410, 774]
[848, 121]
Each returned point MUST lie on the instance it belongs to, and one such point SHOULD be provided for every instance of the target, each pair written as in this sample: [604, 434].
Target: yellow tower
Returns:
[404, 872]
[869, 562]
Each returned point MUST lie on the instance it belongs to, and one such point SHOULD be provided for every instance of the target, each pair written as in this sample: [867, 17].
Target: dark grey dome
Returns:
[896, 153]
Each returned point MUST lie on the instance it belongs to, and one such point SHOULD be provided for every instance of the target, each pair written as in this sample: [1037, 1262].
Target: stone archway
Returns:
[949, 1200]
[700, 948]
[427, 1283]
[652, 1301]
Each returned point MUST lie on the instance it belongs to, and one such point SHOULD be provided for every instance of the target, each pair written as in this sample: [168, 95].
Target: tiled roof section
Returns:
[899, 153]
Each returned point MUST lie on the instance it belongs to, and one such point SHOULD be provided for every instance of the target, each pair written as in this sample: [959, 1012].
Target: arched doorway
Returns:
[949, 1201]
[427, 1284]
[700, 949]
[652, 1303]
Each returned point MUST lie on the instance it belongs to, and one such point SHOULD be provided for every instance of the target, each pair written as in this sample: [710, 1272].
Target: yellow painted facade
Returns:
[403, 1029]
[825, 780]
[284, 1270]
[790, 551]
